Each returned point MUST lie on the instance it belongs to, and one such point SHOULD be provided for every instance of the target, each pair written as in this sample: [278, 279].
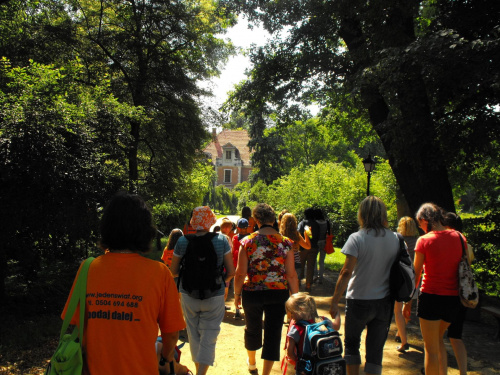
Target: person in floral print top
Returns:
[264, 276]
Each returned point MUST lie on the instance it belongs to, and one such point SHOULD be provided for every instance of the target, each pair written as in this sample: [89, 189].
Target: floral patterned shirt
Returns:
[266, 261]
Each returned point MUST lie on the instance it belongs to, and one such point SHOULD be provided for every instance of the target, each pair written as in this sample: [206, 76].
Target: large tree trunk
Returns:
[400, 112]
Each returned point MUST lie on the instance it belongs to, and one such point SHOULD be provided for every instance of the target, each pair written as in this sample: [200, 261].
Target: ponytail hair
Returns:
[432, 213]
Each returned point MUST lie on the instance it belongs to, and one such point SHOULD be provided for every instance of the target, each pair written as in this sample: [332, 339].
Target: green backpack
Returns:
[68, 359]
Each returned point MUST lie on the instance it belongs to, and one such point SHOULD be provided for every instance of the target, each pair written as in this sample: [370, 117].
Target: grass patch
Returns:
[335, 261]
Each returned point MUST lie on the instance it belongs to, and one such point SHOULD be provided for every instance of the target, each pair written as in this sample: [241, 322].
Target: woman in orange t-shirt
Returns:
[168, 252]
[128, 296]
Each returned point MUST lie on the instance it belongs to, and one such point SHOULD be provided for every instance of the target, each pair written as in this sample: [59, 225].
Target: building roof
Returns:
[230, 138]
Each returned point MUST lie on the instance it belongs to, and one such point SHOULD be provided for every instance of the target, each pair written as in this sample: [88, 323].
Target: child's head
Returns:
[242, 226]
[173, 237]
[226, 226]
[301, 306]
[288, 226]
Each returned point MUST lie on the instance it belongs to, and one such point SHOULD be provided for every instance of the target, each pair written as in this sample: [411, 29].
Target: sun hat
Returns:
[203, 218]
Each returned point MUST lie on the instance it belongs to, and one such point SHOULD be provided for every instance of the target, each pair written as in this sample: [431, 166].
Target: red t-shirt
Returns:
[442, 252]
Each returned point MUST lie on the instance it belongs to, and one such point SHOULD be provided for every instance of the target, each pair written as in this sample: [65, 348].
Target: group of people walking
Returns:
[130, 298]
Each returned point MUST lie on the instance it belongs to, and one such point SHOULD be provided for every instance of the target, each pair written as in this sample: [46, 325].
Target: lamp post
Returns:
[369, 164]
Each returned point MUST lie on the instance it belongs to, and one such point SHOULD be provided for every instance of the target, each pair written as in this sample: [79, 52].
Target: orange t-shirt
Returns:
[167, 256]
[128, 298]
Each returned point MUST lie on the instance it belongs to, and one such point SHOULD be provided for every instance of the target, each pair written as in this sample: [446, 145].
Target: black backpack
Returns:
[199, 273]
[402, 276]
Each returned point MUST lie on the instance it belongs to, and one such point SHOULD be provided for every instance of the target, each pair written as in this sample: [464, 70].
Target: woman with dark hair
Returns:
[168, 252]
[370, 253]
[246, 213]
[264, 275]
[309, 227]
[437, 253]
[324, 229]
[128, 296]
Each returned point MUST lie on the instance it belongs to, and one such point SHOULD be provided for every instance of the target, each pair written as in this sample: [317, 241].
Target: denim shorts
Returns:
[376, 316]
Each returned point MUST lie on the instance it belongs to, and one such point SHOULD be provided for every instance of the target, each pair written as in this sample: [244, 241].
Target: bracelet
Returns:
[237, 294]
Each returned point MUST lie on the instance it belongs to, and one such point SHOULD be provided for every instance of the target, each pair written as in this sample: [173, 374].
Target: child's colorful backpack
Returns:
[321, 351]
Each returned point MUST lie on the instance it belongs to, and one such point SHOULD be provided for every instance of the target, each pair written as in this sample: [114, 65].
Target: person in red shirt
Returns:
[437, 253]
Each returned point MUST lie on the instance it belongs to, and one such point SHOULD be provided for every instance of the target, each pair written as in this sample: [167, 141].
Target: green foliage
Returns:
[173, 211]
[221, 199]
[426, 76]
[334, 188]
[61, 151]
[483, 233]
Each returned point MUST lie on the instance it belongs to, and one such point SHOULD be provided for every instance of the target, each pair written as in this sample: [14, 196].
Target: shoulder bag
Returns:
[467, 287]
[68, 358]
[329, 244]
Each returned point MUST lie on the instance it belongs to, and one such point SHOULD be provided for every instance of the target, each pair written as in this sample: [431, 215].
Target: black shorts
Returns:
[436, 307]
[456, 327]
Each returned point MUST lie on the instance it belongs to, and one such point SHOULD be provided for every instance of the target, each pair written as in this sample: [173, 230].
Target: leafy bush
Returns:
[336, 189]
[483, 233]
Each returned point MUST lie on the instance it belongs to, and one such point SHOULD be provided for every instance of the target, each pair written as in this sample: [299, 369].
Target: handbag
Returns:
[329, 244]
[68, 358]
[467, 287]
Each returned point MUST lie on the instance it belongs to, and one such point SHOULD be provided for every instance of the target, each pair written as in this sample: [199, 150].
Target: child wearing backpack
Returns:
[303, 311]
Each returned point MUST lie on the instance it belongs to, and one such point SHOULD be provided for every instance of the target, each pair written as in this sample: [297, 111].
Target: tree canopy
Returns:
[103, 95]
[424, 72]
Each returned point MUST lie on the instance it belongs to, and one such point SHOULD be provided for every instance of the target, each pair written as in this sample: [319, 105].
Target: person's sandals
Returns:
[252, 369]
[403, 348]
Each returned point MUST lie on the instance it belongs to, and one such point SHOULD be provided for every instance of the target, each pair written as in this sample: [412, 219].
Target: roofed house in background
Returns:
[230, 156]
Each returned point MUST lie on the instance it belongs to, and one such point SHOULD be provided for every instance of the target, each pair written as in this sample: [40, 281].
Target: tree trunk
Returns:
[402, 205]
[399, 111]
[133, 165]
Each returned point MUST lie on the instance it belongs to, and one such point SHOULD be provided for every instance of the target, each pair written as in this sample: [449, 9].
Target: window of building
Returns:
[228, 155]
[227, 175]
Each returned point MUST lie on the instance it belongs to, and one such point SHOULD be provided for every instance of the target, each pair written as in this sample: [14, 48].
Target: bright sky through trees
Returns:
[234, 70]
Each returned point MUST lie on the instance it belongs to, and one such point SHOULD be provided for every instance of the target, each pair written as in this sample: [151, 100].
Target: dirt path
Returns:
[483, 350]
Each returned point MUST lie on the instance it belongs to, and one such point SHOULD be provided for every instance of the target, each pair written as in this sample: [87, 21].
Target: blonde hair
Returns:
[281, 214]
[407, 227]
[372, 214]
[288, 227]
[303, 306]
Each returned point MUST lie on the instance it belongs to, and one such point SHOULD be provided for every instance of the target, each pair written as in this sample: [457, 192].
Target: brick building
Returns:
[230, 156]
